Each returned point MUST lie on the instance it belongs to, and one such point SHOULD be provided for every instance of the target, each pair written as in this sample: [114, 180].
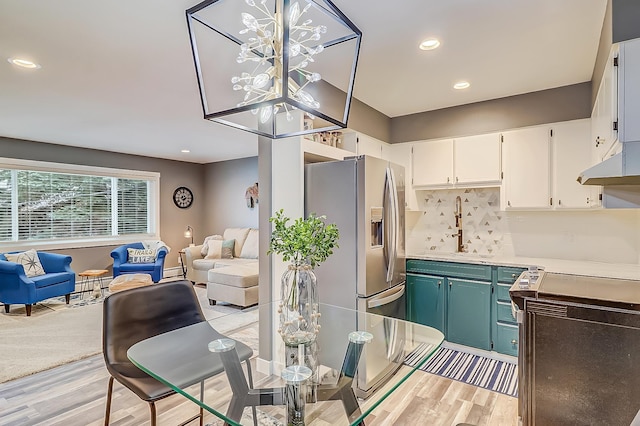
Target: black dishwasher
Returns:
[580, 361]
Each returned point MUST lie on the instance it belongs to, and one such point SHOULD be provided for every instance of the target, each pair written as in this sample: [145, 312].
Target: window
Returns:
[48, 202]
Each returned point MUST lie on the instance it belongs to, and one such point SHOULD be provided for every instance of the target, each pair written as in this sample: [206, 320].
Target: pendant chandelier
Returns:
[258, 61]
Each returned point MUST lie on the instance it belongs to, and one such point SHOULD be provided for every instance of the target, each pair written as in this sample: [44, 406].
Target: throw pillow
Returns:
[250, 246]
[141, 255]
[29, 261]
[220, 249]
[205, 246]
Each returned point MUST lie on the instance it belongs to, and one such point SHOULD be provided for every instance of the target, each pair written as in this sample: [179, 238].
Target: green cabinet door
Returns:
[469, 313]
[426, 300]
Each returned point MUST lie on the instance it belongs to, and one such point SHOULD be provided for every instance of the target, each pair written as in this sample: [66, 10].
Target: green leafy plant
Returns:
[307, 240]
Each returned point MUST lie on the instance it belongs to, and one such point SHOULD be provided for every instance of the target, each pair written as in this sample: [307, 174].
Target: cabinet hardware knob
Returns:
[456, 179]
[447, 179]
[509, 203]
[514, 342]
[513, 275]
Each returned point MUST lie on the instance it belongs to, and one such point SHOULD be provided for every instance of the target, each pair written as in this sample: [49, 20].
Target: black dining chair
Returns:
[130, 316]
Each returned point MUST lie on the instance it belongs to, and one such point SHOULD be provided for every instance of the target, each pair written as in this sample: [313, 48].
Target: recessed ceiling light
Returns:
[185, 151]
[24, 63]
[430, 44]
[461, 85]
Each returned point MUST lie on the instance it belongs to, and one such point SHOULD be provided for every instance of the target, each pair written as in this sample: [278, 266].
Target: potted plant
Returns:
[305, 243]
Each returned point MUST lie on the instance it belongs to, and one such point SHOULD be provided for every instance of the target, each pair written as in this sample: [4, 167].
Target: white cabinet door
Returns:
[400, 153]
[527, 171]
[385, 152]
[476, 159]
[605, 111]
[369, 146]
[433, 163]
[571, 155]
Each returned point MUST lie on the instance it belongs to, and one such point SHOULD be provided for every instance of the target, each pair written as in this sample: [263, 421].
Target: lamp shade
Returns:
[257, 61]
[188, 233]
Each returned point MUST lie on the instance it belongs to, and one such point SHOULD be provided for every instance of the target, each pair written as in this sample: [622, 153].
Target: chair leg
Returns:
[6, 307]
[67, 298]
[28, 310]
[253, 407]
[152, 408]
[107, 413]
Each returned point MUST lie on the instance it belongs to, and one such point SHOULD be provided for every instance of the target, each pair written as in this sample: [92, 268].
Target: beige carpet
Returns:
[56, 333]
[53, 335]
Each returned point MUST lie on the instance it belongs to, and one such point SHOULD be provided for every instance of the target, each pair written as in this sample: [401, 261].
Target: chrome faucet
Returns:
[458, 213]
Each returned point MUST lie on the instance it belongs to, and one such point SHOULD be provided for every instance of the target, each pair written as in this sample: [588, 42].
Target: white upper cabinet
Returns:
[476, 160]
[527, 168]
[460, 162]
[432, 163]
[400, 153]
[571, 155]
[605, 111]
[366, 145]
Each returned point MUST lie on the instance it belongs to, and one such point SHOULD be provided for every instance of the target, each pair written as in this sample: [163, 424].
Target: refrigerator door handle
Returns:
[377, 302]
[394, 223]
[388, 212]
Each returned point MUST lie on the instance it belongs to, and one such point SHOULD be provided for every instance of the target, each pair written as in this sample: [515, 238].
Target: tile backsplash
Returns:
[482, 222]
[600, 235]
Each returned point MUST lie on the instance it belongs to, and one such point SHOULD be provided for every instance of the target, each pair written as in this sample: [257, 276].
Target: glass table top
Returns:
[356, 360]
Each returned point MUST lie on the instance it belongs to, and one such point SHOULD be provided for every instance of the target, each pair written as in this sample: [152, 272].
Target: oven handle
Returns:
[375, 303]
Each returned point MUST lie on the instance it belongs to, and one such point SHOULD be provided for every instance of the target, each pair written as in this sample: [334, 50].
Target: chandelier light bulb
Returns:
[266, 48]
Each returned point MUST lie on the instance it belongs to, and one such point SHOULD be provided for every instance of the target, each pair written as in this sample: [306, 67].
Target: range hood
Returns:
[621, 169]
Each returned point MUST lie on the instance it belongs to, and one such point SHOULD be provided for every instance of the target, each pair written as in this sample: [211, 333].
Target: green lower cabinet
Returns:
[426, 300]
[506, 340]
[469, 313]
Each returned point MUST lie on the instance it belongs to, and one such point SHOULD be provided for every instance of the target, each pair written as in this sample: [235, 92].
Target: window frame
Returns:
[153, 204]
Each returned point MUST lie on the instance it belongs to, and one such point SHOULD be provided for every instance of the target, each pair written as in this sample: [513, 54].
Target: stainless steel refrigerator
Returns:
[364, 197]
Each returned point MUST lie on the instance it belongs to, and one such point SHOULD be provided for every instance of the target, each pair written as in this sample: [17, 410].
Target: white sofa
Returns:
[232, 280]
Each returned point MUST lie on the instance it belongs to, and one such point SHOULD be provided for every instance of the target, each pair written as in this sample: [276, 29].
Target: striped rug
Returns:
[487, 373]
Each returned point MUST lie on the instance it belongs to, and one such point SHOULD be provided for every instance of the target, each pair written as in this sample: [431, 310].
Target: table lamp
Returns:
[189, 234]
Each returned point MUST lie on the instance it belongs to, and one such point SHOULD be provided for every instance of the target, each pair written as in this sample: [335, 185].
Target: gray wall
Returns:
[626, 20]
[546, 106]
[225, 205]
[173, 220]
[363, 118]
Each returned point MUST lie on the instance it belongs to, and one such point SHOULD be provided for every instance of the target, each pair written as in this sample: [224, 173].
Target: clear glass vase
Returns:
[298, 305]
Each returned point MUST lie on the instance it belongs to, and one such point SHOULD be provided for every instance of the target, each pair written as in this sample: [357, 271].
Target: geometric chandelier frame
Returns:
[256, 61]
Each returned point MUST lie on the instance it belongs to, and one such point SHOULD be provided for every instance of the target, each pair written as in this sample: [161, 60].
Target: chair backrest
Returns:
[133, 315]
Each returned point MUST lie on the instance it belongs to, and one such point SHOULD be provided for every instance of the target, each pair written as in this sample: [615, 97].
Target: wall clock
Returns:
[183, 197]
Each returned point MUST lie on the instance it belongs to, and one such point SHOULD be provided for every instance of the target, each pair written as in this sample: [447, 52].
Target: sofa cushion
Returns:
[204, 264]
[29, 260]
[220, 249]
[236, 276]
[205, 247]
[250, 246]
[223, 263]
[238, 234]
[51, 279]
[141, 255]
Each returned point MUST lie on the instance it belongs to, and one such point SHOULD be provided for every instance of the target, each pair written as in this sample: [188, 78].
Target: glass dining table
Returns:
[354, 361]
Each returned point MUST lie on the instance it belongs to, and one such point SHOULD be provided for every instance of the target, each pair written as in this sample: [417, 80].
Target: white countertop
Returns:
[574, 267]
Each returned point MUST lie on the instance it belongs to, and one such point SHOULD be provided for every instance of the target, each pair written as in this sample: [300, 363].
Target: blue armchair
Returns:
[122, 266]
[16, 288]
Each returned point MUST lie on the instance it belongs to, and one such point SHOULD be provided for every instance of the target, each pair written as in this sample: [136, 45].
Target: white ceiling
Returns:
[118, 75]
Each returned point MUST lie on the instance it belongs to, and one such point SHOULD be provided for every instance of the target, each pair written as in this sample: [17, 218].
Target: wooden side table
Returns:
[92, 279]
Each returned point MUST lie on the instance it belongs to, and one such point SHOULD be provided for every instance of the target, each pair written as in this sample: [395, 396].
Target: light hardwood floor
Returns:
[75, 394]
